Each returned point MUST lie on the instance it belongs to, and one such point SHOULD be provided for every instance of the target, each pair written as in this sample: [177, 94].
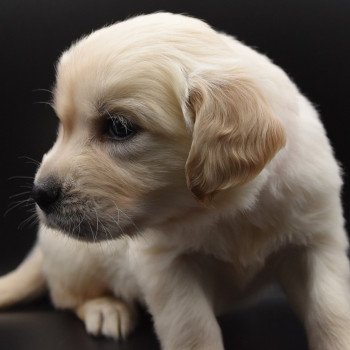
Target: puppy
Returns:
[204, 174]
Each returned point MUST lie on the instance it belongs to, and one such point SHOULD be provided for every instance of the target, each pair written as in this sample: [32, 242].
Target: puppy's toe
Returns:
[93, 321]
[108, 317]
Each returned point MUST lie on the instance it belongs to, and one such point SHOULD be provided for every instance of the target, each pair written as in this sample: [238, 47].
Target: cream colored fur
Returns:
[230, 185]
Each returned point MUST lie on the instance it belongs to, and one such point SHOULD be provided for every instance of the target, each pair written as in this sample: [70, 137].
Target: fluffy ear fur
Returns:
[235, 133]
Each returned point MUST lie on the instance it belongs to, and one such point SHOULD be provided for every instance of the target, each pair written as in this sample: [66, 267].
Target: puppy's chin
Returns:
[83, 228]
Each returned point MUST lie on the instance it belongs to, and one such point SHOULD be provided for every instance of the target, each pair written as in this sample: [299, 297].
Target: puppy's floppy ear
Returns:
[235, 133]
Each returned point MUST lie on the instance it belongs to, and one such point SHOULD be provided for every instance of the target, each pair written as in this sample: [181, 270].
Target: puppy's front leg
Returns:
[317, 283]
[26, 282]
[181, 309]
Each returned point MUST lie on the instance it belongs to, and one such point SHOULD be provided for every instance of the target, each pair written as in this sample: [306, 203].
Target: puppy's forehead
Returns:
[132, 65]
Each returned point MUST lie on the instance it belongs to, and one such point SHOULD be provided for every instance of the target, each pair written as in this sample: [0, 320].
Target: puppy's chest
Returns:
[242, 244]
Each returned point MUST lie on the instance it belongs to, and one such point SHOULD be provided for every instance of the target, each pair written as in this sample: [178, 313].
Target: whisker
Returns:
[128, 217]
[19, 194]
[24, 202]
[28, 221]
[81, 221]
[107, 232]
[19, 201]
[97, 225]
[45, 90]
[34, 161]
[26, 186]
[92, 233]
[97, 228]
[96, 220]
[43, 103]
[21, 177]
[121, 229]
[78, 226]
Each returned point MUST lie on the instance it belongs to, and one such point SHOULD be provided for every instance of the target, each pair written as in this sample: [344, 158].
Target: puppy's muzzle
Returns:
[46, 194]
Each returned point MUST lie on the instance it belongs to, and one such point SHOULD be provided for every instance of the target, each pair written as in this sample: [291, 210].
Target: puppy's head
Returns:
[155, 119]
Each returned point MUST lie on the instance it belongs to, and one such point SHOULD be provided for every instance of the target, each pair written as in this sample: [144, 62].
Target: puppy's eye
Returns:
[120, 128]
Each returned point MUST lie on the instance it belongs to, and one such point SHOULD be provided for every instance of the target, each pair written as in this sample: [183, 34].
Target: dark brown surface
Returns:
[267, 325]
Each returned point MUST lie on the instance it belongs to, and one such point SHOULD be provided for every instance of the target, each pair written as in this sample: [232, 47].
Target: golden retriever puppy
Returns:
[204, 174]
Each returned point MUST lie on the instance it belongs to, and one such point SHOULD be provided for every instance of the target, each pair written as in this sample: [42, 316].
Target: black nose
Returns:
[46, 194]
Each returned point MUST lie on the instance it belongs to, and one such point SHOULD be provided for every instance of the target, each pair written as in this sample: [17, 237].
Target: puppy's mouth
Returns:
[86, 222]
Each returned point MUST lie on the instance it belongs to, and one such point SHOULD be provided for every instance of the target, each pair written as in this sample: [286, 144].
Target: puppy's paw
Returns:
[108, 316]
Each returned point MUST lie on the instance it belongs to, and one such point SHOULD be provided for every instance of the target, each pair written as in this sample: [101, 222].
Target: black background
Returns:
[308, 38]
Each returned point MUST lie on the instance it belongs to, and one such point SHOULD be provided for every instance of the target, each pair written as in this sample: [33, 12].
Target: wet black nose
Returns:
[46, 194]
